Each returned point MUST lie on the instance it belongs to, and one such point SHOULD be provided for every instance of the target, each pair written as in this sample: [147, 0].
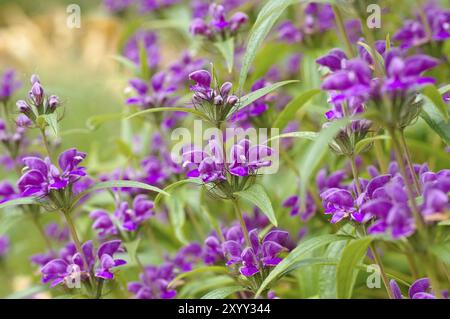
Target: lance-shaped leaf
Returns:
[221, 293]
[256, 194]
[226, 48]
[19, 202]
[167, 109]
[296, 255]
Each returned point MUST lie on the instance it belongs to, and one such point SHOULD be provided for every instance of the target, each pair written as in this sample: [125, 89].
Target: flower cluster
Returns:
[38, 103]
[146, 40]
[41, 176]
[414, 32]
[129, 218]
[244, 160]
[154, 280]
[257, 256]
[218, 27]
[80, 265]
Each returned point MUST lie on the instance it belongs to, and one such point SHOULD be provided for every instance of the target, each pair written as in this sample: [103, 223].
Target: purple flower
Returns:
[7, 191]
[131, 218]
[318, 18]
[247, 159]
[158, 93]
[154, 283]
[117, 5]
[341, 204]
[180, 70]
[4, 246]
[405, 74]
[420, 289]
[289, 33]
[326, 181]
[41, 176]
[148, 40]
[208, 166]
[66, 270]
[103, 224]
[8, 85]
[261, 254]
[293, 202]
[218, 27]
[55, 232]
[146, 6]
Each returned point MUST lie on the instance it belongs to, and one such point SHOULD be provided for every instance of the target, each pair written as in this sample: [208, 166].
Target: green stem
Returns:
[76, 240]
[429, 266]
[341, 27]
[401, 164]
[355, 175]
[384, 277]
[98, 294]
[408, 161]
[380, 156]
[44, 139]
[241, 220]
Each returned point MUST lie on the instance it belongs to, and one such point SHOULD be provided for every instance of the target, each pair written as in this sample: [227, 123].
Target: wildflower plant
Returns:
[251, 148]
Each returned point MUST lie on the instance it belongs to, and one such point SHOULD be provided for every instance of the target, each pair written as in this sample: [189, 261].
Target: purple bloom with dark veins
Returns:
[4, 246]
[8, 85]
[334, 60]
[411, 34]
[260, 254]
[131, 218]
[41, 176]
[148, 40]
[340, 204]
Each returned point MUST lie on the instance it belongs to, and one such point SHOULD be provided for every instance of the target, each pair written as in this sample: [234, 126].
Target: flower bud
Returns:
[22, 106]
[225, 88]
[218, 100]
[53, 102]
[37, 93]
[35, 79]
[232, 100]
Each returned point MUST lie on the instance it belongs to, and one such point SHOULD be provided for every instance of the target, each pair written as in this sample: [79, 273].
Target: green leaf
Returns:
[316, 152]
[442, 251]
[361, 145]
[222, 293]
[226, 48]
[292, 107]
[124, 184]
[432, 116]
[296, 255]
[196, 271]
[168, 109]
[52, 121]
[347, 270]
[253, 96]
[304, 135]
[310, 262]
[192, 289]
[19, 201]
[177, 217]
[266, 19]
[435, 96]
[444, 223]
[94, 122]
[256, 194]
[28, 292]
[132, 248]
[327, 274]
[176, 185]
